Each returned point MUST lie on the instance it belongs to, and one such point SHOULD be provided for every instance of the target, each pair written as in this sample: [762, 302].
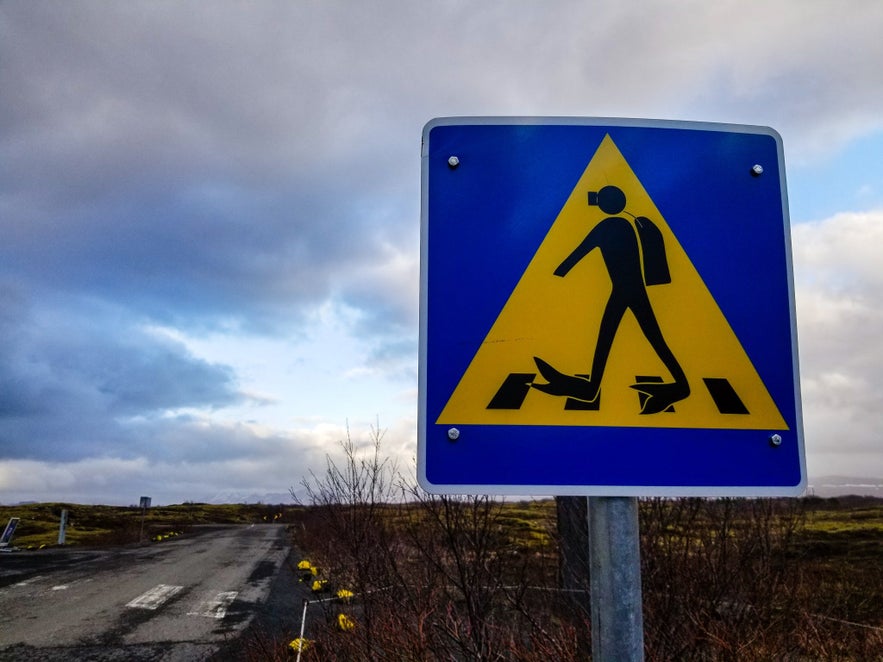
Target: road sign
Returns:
[8, 532]
[606, 309]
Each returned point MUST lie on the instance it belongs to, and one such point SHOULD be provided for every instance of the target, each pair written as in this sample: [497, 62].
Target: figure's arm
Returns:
[578, 254]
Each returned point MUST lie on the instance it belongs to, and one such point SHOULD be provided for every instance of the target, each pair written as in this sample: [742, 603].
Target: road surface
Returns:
[181, 599]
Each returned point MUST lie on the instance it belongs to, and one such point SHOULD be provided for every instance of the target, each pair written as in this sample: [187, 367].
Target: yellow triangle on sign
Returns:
[534, 366]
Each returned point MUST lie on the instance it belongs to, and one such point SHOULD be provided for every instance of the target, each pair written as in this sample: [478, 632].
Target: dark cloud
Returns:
[69, 382]
[245, 165]
[199, 179]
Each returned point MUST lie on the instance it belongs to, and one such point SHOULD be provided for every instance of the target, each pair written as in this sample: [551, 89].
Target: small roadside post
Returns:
[62, 527]
[145, 504]
[607, 310]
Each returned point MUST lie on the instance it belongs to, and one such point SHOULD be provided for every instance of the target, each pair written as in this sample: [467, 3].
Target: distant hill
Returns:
[830, 486]
[251, 498]
[820, 486]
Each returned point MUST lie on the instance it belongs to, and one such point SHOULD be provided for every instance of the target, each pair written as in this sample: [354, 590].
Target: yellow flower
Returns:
[304, 565]
[299, 644]
[344, 594]
[319, 585]
[345, 623]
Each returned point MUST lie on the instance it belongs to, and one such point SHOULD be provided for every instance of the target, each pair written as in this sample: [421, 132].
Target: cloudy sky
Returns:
[210, 213]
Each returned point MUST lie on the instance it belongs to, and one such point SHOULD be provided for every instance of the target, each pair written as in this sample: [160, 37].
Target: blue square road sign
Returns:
[606, 308]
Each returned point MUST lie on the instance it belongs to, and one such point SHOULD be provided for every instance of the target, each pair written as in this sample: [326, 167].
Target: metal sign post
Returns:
[615, 580]
[590, 291]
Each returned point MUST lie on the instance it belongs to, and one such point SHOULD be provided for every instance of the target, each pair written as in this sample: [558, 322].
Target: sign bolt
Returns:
[453, 434]
[453, 162]
[775, 440]
[757, 170]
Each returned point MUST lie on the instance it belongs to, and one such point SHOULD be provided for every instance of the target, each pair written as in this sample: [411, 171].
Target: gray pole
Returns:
[615, 579]
[62, 527]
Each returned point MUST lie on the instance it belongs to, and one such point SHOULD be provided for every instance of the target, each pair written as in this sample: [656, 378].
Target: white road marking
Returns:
[215, 607]
[60, 587]
[154, 597]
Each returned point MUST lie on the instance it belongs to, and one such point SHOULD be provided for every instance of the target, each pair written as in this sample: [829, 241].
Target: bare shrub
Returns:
[435, 577]
[719, 581]
[469, 578]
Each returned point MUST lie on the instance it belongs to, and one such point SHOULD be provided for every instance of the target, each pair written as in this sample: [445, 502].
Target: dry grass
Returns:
[475, 578]
[90, 525]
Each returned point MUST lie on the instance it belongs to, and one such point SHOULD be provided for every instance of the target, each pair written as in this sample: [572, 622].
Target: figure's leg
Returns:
[576, 386]
[613, 312]
[660, 395]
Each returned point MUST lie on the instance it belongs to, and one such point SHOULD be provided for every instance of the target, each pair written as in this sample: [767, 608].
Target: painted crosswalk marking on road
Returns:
[64, 587]
[156, 596]
[215, 606]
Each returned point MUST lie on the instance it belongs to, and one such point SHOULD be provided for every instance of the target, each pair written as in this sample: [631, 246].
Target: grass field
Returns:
[477, 578]
[112, 525]
[723, 579]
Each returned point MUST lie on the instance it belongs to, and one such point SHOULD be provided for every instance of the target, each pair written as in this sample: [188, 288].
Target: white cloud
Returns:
[274, 464]
[839, 291]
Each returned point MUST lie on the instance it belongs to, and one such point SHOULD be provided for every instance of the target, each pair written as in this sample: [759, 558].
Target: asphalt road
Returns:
[183, 599]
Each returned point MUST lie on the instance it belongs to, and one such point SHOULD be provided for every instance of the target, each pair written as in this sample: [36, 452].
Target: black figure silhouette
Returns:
[618, 242]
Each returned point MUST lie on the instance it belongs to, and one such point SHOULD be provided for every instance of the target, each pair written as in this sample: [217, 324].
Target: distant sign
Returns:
[606, 308]
[9, 531]
[145, 502]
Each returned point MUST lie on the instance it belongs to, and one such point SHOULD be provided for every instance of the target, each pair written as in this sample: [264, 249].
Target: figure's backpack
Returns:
[653, 248]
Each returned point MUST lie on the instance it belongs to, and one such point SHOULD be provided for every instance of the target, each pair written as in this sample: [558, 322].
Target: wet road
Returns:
[182, 599]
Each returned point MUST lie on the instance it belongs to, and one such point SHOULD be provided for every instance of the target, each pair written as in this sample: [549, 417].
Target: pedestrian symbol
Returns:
[611, 325]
